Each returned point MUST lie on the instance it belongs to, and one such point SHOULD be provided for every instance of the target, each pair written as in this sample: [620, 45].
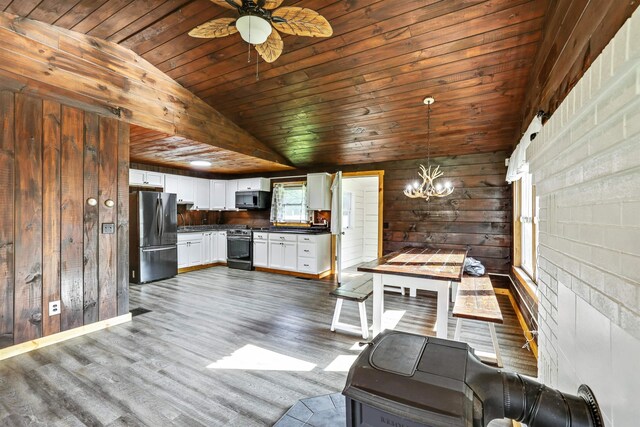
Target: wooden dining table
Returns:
[430, 269]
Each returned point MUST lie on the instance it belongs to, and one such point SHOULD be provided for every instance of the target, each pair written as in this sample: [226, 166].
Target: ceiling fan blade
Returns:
[301, 22]
[228, 4]
[272, 48]
[271, 4]
[216, 28]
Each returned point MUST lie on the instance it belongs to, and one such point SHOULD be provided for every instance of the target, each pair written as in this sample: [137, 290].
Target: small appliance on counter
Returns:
[253, 200]
[153, 236]
[240, 249]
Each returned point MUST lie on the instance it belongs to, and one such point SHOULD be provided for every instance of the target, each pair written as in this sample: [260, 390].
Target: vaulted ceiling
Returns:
[355, 97]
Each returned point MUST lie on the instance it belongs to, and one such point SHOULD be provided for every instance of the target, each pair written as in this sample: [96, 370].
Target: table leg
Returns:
[442, 312]
[378, 303]
[454, 290]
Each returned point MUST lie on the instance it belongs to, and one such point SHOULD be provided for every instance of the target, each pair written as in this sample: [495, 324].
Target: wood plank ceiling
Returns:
[355, 97]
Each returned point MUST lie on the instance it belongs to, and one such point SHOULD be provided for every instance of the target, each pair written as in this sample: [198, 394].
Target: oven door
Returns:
[239, 252]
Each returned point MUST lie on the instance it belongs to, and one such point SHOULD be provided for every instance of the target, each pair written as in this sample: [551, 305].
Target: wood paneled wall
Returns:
[52, 159]
[476, 216]
[574, 34]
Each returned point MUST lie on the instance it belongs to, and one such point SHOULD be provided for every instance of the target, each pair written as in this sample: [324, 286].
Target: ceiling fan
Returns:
[258, 22]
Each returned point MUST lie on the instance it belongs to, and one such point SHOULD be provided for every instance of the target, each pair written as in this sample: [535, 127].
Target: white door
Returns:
[201, 197]
[336, 215]
[195, 252]
[230, 196]
[154, 178]
[222, 246]
[217, 195]
[171, 185]
[290, 256]
[136, 177]
[276, 255]
[183, 254]
[261, 253]
[213, 246]
[186, 189]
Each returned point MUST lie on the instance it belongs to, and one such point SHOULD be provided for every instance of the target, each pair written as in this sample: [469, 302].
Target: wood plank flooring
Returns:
[156, 370]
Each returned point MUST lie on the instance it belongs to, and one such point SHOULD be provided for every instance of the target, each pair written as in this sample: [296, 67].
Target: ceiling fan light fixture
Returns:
[253, 29]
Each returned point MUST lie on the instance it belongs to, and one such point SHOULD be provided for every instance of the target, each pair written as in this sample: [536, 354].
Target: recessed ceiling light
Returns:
[200, 163]
[429, 100]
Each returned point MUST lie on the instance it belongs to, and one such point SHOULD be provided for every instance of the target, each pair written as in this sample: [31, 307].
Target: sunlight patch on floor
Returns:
[253, 358]
[341, 363]
[391, 318]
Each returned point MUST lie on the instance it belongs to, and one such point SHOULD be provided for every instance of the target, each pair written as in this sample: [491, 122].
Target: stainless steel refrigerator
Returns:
[153, 236]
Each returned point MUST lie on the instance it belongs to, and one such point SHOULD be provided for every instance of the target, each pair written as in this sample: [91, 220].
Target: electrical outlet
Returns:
[54, 308]
[108, 228]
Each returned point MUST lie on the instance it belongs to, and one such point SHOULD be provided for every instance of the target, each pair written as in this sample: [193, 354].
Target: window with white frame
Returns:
[528, 228]
[290, 203]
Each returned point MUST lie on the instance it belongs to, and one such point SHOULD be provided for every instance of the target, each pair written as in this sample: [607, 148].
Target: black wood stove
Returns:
[406, 380]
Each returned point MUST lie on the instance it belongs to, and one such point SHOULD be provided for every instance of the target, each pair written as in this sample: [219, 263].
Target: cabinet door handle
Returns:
[306, 250]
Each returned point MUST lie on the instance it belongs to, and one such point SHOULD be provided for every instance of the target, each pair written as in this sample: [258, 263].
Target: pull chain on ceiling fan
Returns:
[260, 21]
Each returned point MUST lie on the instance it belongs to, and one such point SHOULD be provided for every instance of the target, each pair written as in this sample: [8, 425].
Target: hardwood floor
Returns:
[189, 361]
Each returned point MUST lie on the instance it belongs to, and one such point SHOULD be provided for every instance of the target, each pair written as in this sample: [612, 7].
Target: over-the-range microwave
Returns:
[253, 200]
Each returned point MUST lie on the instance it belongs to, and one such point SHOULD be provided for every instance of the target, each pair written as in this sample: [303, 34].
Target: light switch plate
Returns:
[54, 308]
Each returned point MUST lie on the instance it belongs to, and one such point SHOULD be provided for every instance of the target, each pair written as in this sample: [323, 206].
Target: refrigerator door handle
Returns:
[158, 216]
[166, 248]
[161, 217]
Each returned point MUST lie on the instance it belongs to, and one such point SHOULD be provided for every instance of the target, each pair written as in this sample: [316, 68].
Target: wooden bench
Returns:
[476, 300]
[358, 290]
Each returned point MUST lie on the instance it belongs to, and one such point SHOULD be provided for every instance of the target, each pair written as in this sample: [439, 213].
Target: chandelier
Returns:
[429, 187]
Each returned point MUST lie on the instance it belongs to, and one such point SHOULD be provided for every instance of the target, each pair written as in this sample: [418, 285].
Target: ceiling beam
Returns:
[101, 76]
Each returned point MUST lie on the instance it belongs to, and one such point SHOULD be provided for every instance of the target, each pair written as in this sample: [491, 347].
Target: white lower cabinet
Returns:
[209, 247]
[303, 253]
[314, 253]
[261, 249]
[221, 244]
[282, 251]
[190, 249]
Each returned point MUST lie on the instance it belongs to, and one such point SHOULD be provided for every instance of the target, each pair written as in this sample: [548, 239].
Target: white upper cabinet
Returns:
[217, 193]
[201, 196]
[171, 184]
[254, 184]
[145, 178]
[230, 196]
[182, 186]
[319, 191]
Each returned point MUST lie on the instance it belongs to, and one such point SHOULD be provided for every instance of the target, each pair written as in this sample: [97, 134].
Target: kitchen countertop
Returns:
[208, 227]
[294, 230]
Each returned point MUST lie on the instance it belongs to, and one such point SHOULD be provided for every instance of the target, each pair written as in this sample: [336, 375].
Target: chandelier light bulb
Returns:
[447, 185]
[409, 187]
[438, 186]
[415, 184]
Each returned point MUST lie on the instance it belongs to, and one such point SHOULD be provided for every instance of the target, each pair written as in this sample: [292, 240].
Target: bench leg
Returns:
[336, 314]
[412, 292]
[496, 346]
[456, 335]
[363, 320]
[454, 290]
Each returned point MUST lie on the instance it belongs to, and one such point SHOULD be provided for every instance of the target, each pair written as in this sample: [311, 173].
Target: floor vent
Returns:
[138, 311]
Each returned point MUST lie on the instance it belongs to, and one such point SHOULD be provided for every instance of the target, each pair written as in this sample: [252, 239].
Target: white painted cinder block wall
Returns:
[586, 168]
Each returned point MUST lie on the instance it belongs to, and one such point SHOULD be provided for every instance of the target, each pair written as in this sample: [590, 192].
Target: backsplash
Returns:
[252, 219]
